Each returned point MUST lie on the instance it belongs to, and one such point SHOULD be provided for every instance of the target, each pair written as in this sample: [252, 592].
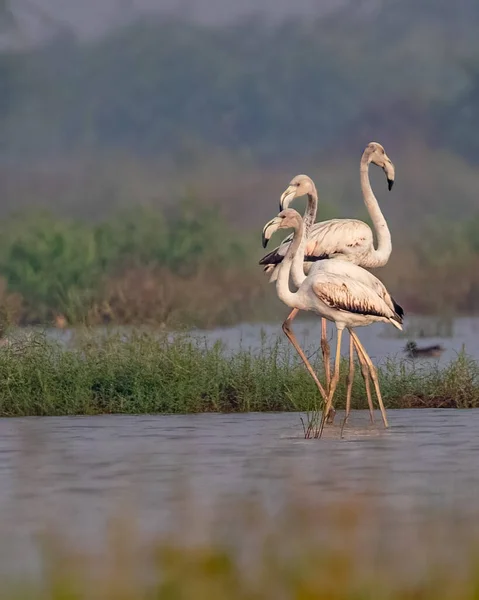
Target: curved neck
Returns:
[381, 254]
[295, 253]
[297, 268]
[311, 208]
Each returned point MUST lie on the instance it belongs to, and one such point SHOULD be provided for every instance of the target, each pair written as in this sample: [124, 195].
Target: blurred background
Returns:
[144, 143]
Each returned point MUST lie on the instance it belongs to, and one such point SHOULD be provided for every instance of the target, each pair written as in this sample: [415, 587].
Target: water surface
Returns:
[80, 471]
[382, 341]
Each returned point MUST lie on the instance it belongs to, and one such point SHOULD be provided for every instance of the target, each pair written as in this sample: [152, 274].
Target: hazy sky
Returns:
[91, 17]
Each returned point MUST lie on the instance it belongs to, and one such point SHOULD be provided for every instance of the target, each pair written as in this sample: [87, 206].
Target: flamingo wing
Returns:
[326, 239]
[346, 294]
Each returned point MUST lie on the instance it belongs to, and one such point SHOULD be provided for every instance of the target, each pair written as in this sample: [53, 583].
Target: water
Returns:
[77, 472]
[382, 341]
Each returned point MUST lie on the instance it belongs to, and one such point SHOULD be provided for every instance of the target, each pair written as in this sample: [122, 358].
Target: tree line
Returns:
[173, 88]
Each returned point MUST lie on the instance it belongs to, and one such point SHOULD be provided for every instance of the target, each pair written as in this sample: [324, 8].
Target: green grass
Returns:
[149, 373]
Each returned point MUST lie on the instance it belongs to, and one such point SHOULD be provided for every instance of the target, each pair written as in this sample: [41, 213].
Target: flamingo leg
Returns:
[365, 374]
[334, 381]
[349, 383]
[374, 376]
[292, 338]
[326, 352]
[292, 315]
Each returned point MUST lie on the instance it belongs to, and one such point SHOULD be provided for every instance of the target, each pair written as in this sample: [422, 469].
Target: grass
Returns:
[156, 373]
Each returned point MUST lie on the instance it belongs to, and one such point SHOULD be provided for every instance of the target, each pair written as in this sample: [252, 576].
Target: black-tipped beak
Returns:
[286, 197]
[390, 172]
[268, 230]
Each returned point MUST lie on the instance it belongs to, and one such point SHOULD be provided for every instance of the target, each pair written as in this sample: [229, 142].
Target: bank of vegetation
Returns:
[144, 372]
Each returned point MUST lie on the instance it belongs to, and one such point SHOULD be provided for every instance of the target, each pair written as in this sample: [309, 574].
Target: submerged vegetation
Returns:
[156, 373]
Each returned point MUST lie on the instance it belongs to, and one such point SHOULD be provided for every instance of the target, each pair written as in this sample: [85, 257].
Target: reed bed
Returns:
[147, 372]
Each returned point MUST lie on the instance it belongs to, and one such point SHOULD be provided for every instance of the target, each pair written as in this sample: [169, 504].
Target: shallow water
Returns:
[382, 341]
[77, 472]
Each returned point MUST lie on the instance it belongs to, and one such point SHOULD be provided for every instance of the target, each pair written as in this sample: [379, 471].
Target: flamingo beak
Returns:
[287, 196]
[390, 172]
[269, 229]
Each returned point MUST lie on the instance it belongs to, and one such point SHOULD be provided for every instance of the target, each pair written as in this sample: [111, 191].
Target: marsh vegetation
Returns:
[148, 372]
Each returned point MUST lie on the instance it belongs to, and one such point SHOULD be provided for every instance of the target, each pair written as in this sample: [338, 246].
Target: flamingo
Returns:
[349, 238]
[339, 291]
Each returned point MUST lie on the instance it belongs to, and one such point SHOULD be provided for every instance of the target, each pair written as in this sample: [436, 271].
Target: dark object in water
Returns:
[414, 351]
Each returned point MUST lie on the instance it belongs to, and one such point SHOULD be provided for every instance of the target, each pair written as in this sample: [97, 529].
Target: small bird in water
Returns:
[414, 351]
